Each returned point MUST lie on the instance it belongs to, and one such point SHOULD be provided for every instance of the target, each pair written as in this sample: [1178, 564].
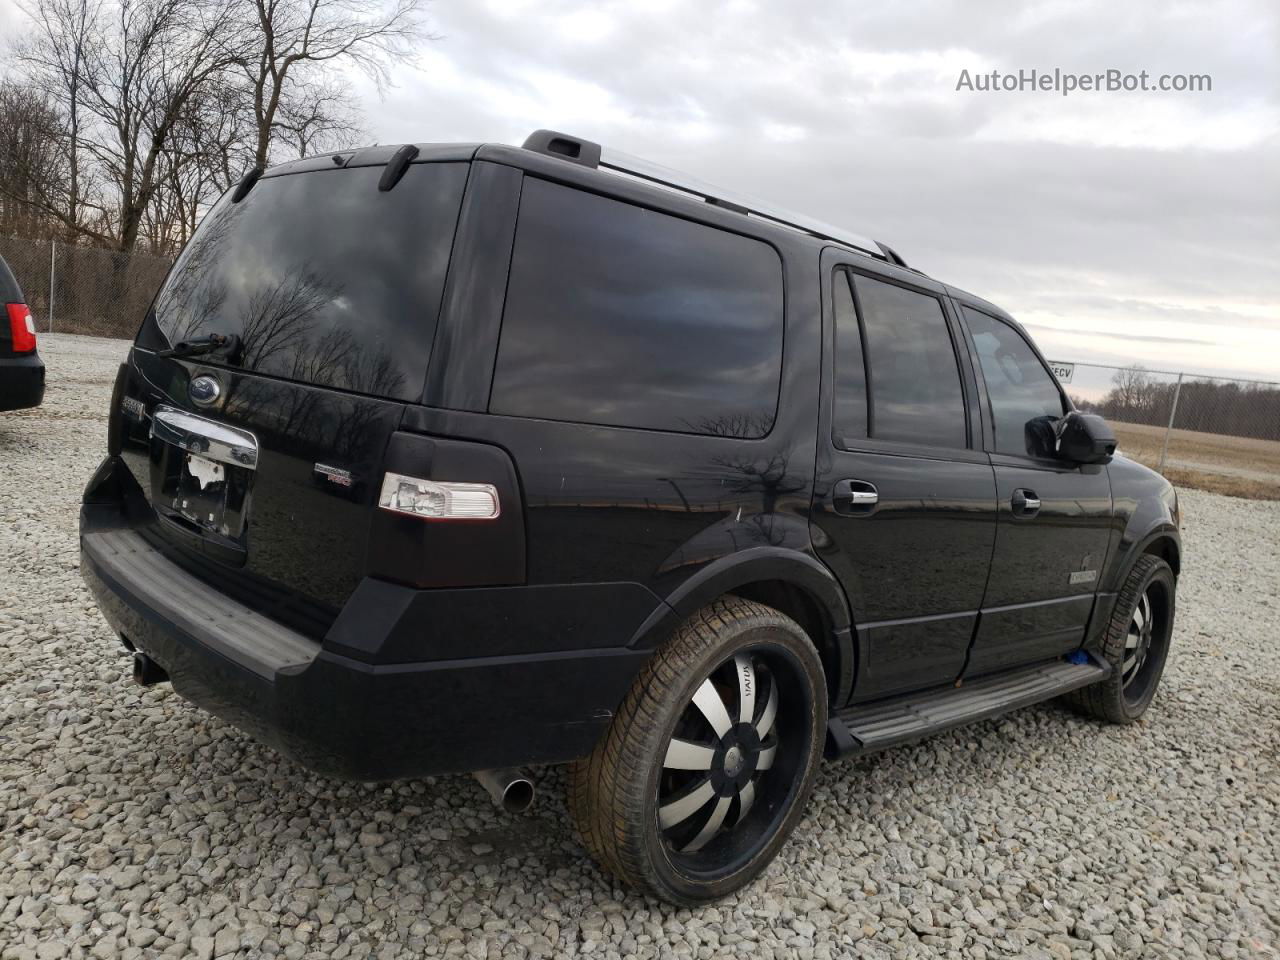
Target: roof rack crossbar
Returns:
[588, 153]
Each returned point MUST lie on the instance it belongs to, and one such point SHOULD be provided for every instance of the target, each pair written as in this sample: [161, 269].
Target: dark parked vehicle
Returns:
[473, 458]
[21, 369]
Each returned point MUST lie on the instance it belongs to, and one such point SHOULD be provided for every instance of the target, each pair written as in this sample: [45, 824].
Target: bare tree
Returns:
[298, 40]
[209, 151]
[60, 82]
[317, 116]
[31, 160]
[127, 72]
[132, 116]
[1131, 387]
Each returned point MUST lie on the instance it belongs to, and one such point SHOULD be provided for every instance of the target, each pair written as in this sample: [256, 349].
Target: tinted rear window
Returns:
[849, 394]
[915, 381]
[620, 315]
[324, 278]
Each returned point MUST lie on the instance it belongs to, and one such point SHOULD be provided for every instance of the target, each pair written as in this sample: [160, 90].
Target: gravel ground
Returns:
[133, 825]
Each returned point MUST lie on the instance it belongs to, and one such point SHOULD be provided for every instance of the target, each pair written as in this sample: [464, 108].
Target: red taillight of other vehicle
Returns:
[22, 327]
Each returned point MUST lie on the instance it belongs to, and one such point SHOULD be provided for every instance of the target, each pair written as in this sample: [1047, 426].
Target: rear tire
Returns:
[1136, 644]
[698, 781]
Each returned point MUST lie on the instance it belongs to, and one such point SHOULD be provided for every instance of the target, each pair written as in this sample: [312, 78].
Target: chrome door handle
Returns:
[1025, 503]
[854, 496]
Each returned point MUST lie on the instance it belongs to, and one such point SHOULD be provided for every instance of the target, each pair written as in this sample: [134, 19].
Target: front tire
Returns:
[706, 768]
[1136, 644]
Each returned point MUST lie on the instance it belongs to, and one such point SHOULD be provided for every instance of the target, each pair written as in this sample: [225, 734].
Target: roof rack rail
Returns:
[590, 154]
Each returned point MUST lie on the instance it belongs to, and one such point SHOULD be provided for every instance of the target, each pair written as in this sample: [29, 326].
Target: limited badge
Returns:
[334, 474]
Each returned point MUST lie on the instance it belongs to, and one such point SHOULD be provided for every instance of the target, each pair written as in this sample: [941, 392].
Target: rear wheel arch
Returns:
[815, 620]
[793, 583]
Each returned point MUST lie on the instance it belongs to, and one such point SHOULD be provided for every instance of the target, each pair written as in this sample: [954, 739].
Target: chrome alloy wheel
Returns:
[1137, 645]
[718, 763]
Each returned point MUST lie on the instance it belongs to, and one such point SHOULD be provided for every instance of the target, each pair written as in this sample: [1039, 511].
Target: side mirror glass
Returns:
[1085, 438]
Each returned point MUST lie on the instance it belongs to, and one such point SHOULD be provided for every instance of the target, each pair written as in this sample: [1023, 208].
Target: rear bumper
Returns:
[21, 382]
[336, 714]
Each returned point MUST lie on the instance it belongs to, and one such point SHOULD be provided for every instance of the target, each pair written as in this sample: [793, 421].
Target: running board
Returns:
[864, 728]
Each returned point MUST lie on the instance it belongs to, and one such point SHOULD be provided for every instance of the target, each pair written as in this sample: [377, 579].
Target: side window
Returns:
[916, 395]
[624, 316]
[849, 415]
[1024, 397]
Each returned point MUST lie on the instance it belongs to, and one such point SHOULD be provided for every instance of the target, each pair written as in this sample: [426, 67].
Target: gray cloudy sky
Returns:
[1118, 227]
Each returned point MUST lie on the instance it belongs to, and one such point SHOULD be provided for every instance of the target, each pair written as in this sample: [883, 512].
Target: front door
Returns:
[1054, 517]
[904, 501]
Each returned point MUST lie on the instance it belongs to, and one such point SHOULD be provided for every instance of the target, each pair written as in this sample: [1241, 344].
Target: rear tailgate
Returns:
[260, 461]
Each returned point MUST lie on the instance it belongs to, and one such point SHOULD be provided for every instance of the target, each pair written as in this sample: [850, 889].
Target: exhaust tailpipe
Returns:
[146, 672]
[511, 789]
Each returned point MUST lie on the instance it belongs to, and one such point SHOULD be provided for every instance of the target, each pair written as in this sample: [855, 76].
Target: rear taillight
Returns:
[22, 328]
[436, 500]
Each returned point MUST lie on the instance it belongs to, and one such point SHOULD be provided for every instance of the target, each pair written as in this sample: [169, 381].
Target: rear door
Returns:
[904, 505]
[1054, 517]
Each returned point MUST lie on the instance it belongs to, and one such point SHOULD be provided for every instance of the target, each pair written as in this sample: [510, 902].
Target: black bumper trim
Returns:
[335, 714]
[152, 582]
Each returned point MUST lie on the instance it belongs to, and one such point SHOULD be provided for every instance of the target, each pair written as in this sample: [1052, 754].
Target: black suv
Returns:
[21, 369]
[474, 458]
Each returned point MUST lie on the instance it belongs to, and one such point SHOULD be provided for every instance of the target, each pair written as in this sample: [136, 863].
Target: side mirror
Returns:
[1085, 438]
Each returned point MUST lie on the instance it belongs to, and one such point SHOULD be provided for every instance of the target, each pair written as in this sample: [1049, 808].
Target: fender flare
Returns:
[754, 565]
[1129, 550]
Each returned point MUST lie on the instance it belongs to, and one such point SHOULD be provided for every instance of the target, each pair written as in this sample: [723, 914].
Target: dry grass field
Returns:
[1237, 466]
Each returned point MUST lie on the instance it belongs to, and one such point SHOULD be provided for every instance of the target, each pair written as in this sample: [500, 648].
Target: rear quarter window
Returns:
[623, 316]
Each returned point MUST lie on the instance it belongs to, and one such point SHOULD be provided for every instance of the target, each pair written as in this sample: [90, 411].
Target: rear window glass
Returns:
[915, 381]
[620, 315]
[849, 396]
[325, 279]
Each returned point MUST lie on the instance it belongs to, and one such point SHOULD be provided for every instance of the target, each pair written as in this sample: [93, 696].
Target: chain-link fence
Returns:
[1211, 432]
[76, 289]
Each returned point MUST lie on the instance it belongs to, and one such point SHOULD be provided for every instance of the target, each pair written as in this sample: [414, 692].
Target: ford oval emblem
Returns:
[204, 390]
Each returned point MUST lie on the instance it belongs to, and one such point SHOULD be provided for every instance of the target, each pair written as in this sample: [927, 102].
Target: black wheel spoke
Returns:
[686, 804]
[712, 826]
[767, 754]
[746, 797]
[765, 723]
[725, 744]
